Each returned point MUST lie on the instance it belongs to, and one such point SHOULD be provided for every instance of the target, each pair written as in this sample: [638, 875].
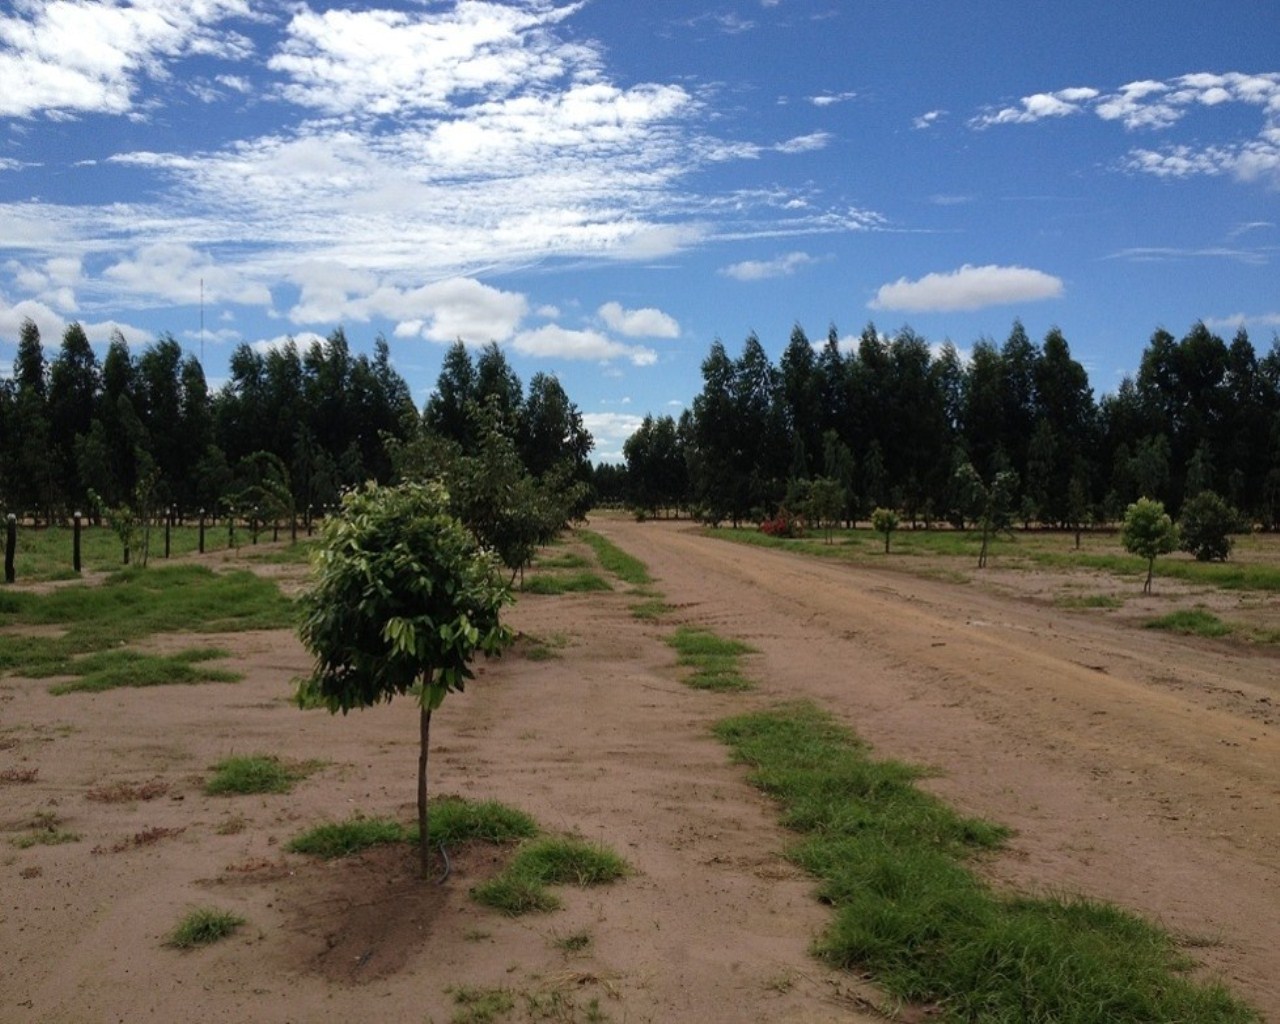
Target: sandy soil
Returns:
[1135, 767]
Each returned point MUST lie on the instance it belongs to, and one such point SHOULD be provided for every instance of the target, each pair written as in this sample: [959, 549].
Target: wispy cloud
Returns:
[928, 119]
[759, 270]
[1166, 254]
[968, 288]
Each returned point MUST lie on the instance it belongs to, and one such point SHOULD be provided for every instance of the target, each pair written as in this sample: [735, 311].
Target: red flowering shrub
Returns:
[784, 524]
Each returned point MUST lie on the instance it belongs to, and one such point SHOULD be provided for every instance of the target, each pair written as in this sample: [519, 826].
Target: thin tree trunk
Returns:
[424, 844]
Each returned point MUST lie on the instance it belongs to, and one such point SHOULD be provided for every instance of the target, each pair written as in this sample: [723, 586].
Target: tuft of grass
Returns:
[546, 648]
[890, 860]
[565, 860]
[1088, 601]
[44, 831]
[202, 927]
[564, 560]
[575, 942]
[552, 584]
[481, 1005]
[1191, 622]
[110, 670]
[452, 820]
[19, 775]
[714, 660]
[343, 838]
[256, 774]
[651, 610]
[616, 561]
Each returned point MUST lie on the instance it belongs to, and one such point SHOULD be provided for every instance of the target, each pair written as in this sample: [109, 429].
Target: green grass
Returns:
[564, 560]
[892, 862]
[616, 561]
[202, 927]
[1191, 622]
[45, 553]
[1088, 601]
[550, 584]
[522, 887]
[481, 1005]
[109, 670]
[247, 775]
[343, 838]
[714, 660]
[451, 821]
[651, 610]
[129, 605]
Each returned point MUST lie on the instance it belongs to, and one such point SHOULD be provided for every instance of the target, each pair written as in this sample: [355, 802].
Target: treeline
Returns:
[289, 431]
[892, 423]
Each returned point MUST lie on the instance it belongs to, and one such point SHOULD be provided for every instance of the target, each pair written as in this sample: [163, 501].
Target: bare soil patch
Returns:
[1136, 767]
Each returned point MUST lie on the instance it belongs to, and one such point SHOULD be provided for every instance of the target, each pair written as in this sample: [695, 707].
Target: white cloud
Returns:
[1037, 107]
[639, 323]
[1238, 320]
[759, 270]
[1159, 105]
[555, 342]
[610, 431]
[805, 143]
[77, 56]
[928, 119]
[828, 99]
[52, 325]
[170, 272]
[968, 288]
[447, 311]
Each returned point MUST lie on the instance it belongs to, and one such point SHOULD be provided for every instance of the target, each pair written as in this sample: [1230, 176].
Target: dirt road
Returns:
[1135, 767]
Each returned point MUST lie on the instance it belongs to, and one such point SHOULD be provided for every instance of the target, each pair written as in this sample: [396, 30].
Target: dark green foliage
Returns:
[1205, 527]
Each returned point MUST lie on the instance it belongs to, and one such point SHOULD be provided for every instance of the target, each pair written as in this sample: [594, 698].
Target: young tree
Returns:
[884, 520]
[1148, 532]
[1205, 525]
[403, 600]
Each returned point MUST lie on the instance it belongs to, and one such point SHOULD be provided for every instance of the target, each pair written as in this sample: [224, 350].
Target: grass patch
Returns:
[616, 561]
[44, 831]
[1088, 601]
[522, 887]
[577, 942]
[651, 610]
[452, 820]
[343, 838]
[202, 927]
[132, 604]
[110, 670]
[256, 774]
[546, 648]
[890, 860]
[1191, 622]
[481, 1005]
[564, 560]
[714, 660]
[551, 584]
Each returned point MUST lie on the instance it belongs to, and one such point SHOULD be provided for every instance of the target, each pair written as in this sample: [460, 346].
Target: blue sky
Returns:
[606, 187]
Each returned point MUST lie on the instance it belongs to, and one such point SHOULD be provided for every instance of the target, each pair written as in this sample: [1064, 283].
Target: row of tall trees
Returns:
[895, 423]
[289, 431]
